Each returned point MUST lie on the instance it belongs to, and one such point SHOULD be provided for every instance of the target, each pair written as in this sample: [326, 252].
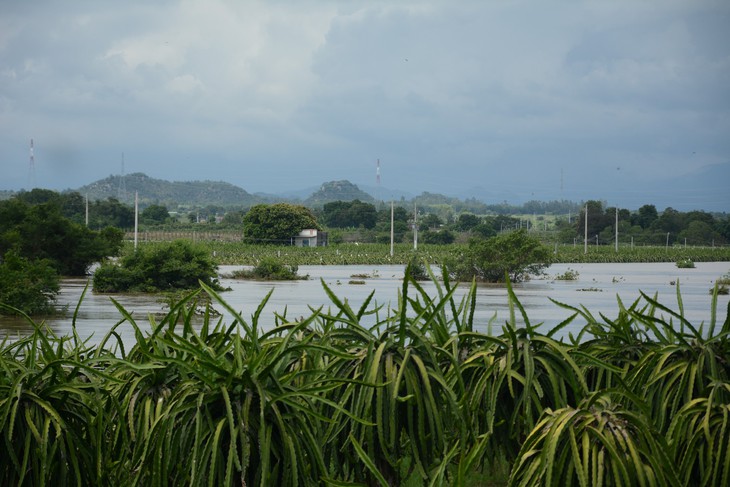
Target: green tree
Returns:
[277, 223]
[233, 218]
[598, 219]
[110, 213]
[344, 214]
[699, 233]
[440, 237]
[514, 254]
[645, 216]
[170, 266]
[28, 285]
[154, 215]
[467, 221]
[41, 232]
[429, 221]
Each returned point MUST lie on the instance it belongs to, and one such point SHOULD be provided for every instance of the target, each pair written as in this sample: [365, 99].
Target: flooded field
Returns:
[596, 288]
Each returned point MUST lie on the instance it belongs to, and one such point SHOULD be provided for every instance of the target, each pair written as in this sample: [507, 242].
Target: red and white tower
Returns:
[377, 183]
[31, 167]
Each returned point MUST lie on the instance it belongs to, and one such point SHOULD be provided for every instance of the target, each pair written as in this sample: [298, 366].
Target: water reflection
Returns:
[597, 289]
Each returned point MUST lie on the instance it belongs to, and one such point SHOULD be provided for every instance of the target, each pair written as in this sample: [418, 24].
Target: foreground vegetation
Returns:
[406, 396]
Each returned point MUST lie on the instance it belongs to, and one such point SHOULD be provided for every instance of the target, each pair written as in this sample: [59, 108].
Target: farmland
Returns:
[237, 253]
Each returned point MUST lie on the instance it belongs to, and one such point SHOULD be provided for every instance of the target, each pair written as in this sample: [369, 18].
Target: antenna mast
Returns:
[377, 182]
[31, 167]
[122, 190]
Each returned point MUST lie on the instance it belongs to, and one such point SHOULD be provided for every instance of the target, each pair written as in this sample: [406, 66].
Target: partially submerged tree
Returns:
[514, 254]
[165, 267]
[27, 285]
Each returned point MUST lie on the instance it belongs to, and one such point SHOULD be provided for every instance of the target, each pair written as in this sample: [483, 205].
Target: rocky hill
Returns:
[337, 191]
[169, 193]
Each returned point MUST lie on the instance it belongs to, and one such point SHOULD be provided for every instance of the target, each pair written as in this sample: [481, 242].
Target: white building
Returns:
[311, 237]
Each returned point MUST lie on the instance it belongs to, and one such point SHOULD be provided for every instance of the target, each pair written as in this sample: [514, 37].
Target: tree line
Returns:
[649, 226]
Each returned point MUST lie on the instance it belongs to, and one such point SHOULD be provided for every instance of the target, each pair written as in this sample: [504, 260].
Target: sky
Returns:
[624, 101]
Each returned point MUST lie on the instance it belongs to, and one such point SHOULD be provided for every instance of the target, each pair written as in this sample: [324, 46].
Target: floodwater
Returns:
[596, 288]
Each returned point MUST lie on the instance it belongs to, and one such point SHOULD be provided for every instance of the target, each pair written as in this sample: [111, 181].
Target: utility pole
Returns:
[415, 227]
[585, 233]
[616, 229]
[136, 218]
[392, 238]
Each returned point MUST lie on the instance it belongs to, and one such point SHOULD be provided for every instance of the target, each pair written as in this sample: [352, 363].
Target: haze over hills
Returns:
[169, 193]
[706, 189]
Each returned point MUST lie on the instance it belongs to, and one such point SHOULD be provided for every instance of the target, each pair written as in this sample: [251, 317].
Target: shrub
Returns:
[269, 269]
[175, 265]
[568, 275]
[418, 270]
[685, 264]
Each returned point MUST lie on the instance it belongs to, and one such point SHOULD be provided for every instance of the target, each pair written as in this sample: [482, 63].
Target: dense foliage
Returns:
[277, 224]
[514, 255]
[40, 231]
[154, 215]
[406, 396]
[29, 286]
[649, 226]
[343, 214]
[37, 243]
[162, 267]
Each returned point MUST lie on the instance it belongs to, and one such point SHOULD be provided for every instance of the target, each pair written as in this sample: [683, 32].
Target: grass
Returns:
[420, 397]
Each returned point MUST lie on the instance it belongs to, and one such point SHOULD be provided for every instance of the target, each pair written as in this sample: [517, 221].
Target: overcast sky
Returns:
[610, 100]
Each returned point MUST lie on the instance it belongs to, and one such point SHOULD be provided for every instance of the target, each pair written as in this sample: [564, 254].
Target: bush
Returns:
[176, 265]
[685, 264]
[568, 275]
[418, 270]
[269, 269]
[30, 286]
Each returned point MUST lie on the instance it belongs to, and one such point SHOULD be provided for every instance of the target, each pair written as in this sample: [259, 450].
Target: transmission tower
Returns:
[377, 182]
[31, 167]
[122, 190]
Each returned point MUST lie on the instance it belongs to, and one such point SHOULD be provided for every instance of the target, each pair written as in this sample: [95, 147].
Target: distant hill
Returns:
[337, 191]
[171, 194]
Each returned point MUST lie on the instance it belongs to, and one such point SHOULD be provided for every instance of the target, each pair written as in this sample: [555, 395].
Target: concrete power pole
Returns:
[585, 235]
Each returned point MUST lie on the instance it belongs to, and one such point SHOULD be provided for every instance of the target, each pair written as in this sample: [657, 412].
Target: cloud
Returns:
[282, 94]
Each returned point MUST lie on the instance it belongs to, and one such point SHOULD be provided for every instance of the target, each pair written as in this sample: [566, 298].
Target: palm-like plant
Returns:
[397, 393]
[600, 442]
[50, 417]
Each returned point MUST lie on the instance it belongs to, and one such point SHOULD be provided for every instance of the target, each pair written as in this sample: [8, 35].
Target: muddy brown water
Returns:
[597, 288]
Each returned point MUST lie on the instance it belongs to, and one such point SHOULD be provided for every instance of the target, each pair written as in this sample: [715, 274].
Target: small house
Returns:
[311, 237]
